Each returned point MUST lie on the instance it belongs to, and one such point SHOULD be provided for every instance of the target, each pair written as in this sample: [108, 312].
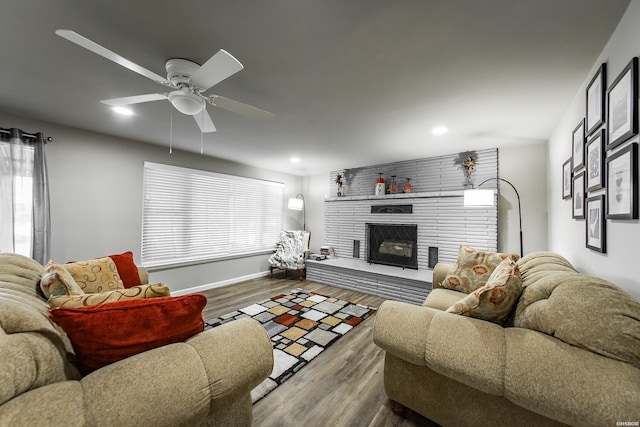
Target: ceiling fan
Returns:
[187, 79]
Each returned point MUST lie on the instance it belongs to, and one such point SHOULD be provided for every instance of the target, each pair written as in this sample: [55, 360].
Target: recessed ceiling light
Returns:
[439, 130]
[123, 110]
[295, 160]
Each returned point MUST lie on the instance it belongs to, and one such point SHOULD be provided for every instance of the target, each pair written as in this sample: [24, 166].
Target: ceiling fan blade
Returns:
[203, 119]
[84, 42]
[137, 99]
[216, 69]
[240, 108]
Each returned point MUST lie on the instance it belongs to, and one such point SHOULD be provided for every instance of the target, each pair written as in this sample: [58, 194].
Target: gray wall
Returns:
[566, 235]
[96, 199]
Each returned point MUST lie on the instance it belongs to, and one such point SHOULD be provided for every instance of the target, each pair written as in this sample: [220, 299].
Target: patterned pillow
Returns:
[495, 300]
[104, 334]
[137, 292]
[56, 280]
[473, 268]
[96, 275]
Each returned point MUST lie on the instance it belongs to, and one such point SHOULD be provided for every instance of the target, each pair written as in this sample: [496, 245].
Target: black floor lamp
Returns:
[480, 197]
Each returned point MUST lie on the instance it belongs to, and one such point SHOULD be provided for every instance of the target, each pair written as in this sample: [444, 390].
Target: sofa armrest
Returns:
[144, 275]
[439, 273]
[177, 384]
[401, 329]
[468, 350]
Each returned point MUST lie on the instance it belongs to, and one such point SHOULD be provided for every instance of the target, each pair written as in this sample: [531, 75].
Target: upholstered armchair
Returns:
[199, 381]
[291, 252]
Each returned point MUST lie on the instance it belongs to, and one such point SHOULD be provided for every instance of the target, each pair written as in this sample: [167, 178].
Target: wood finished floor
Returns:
[343, 386]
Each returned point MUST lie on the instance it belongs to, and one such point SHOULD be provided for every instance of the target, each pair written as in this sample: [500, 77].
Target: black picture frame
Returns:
[578, 196]
[595, 94]
[577, 146]
[595, 154]
[622, 183]
[596, 238]
[622, 106]
[567, 183]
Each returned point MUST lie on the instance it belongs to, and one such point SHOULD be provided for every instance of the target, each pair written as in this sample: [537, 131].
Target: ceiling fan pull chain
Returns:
[171, 133]
[201, 132]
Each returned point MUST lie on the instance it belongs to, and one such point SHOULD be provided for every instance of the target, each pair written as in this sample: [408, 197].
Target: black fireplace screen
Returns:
[393, 244]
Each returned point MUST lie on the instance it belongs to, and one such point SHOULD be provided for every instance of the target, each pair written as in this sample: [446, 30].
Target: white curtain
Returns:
[24, 195]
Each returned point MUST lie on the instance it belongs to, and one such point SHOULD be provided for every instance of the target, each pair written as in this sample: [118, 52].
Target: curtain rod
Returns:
[27, 135]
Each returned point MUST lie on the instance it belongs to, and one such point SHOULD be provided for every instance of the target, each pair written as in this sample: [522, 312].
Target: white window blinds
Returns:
[190, 215]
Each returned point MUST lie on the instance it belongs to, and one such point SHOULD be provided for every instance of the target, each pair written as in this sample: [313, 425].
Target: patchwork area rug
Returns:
[301, 325]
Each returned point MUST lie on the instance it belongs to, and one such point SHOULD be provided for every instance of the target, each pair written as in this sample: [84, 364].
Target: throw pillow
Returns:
[56, 280]
[473, 268]
[137, 292]
[495, 300]
[96, 275]
[127, 269]
[104, 334]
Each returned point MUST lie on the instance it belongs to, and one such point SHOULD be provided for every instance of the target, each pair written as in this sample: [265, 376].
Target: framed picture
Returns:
[566, 179]
[595, 99]
[578, 196]
[595, 161]
[596, 233]
[622, 183]
[578, 146]
[622, 100]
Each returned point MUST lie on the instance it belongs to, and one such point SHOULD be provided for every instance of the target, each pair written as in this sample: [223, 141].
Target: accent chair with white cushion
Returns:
[291, 252]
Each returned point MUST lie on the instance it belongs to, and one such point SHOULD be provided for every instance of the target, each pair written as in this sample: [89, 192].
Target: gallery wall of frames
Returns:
[601, 176]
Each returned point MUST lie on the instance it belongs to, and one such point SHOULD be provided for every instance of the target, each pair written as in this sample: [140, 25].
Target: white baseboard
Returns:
[207, 286]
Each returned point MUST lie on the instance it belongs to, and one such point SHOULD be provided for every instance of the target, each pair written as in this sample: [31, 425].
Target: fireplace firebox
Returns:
[393, 244]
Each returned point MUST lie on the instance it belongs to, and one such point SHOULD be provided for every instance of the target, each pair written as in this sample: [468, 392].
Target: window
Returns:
[191, 216]
[16, 215]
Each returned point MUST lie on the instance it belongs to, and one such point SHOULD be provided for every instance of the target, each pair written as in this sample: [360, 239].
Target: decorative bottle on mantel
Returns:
[379, 191]
[408, 188]
[393, 187]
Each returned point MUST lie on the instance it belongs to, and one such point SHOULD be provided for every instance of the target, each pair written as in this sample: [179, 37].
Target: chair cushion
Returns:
[473, 269]
[106, 333]
[495, 300]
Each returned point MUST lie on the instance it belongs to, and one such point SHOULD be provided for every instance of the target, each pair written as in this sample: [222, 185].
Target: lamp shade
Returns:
[296, 204]
[186, 103]
[479, 197]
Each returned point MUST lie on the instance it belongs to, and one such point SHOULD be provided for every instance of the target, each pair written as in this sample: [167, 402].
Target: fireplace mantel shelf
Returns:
[424, 195]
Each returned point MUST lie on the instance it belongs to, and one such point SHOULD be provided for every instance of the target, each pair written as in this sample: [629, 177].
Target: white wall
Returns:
[566, 235]
[526, 168]
[96, 199]
[316, 187]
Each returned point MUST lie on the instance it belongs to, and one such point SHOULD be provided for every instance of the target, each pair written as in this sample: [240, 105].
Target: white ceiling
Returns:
[352, 82]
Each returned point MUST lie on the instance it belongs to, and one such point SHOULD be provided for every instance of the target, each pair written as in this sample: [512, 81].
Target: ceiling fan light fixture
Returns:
[187, 103]
[439, 130]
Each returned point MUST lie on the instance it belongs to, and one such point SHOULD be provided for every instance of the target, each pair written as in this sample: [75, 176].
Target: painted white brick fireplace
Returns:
[443, 224]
